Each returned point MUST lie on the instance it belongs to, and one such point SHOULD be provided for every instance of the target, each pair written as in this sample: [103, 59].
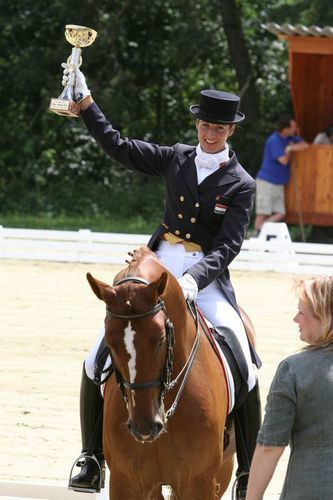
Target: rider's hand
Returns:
[189, 286]
[80, 86]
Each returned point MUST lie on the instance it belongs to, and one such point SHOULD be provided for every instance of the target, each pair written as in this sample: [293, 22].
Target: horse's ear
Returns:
[157, 287]
[162, 283]
[98, 287]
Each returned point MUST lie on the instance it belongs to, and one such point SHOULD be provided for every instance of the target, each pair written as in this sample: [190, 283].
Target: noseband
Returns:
[165, 381]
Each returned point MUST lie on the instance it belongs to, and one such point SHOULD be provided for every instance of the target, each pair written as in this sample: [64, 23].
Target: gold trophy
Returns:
[79, 36]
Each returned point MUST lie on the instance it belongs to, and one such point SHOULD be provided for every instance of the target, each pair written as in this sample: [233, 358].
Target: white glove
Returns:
[189, 286]
[73, 76]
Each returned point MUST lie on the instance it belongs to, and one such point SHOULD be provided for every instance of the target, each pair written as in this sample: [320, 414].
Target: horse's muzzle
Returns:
[146, 432]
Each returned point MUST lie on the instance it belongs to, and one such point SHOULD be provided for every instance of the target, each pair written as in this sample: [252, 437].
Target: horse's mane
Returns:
[143, 263]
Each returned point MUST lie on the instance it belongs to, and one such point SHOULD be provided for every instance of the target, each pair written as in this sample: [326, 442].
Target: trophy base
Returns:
[64, 107]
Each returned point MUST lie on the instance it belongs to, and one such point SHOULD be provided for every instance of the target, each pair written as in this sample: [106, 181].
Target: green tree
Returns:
[145, 68]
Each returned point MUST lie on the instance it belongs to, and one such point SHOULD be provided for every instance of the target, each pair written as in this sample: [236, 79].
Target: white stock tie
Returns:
[207, 163]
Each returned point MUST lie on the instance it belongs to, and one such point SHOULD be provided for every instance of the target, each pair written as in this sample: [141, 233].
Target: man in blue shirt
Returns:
[274, 172]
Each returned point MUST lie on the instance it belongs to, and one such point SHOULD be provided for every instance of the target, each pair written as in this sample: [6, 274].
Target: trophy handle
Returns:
[69, 61]
[74, 61]
[65, 104]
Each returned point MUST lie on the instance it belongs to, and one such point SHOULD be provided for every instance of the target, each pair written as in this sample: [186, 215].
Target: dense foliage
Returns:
[147, 65]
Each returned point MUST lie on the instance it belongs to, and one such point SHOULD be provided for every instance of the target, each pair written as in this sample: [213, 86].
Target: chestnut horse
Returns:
[165, 410]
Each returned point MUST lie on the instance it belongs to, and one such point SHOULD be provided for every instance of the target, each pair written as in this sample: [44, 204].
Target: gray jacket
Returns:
[299, 412]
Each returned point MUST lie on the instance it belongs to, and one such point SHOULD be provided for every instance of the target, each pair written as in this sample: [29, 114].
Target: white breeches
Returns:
[211, 300]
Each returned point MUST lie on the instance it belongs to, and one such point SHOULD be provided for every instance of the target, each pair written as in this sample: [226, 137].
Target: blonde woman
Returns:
[299, 405]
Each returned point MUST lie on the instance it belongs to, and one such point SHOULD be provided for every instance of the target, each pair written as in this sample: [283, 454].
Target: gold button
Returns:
[181, 198]
[177, 231]
[180, 216]
[193, 220]
[187, 236]
[197, 205]
[217, 197]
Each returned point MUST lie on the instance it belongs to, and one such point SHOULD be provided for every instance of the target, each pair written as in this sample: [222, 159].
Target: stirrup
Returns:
[235, 490]
[78, 463]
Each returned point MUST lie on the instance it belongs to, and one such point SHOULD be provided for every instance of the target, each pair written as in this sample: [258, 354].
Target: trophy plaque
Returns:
[79, 36]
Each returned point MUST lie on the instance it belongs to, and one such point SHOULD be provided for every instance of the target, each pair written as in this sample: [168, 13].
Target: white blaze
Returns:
[129, 344]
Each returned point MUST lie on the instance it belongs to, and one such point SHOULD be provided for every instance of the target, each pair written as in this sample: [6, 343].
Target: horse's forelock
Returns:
[136, 297]
[141, 296]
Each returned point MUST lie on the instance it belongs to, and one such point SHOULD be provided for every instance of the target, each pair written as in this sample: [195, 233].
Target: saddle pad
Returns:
[208, 328]
[228, 377]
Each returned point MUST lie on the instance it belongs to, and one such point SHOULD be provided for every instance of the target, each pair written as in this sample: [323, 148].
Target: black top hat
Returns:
[216, 106]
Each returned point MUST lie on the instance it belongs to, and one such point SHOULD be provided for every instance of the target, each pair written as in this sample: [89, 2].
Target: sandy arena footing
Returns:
[49, 319]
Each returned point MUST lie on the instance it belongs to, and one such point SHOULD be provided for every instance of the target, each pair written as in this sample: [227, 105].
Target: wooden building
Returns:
[309, 195]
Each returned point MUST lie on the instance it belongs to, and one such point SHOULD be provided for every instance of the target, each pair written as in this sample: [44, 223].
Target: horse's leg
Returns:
[225, 476]
[156, 494]
[199, 488]
[124, 488]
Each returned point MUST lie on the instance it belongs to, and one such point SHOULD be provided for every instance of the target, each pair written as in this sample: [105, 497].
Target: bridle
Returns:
[164, 382]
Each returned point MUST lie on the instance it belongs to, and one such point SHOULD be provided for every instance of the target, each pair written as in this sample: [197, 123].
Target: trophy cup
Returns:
[79, 36]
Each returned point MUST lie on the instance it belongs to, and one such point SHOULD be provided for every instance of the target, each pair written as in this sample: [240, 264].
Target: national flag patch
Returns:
[220, 209]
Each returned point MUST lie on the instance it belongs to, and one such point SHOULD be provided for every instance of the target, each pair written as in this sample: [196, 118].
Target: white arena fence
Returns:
[43, 491]
[273, 250]
[52, 491]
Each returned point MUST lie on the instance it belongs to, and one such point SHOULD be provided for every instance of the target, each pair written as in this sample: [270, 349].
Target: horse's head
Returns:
[140, 336]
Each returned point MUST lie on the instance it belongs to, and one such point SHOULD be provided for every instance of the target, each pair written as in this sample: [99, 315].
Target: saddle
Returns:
[234, 357]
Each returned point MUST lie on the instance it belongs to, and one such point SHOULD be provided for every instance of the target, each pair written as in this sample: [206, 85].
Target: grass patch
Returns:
[131, 225]
[98, 223]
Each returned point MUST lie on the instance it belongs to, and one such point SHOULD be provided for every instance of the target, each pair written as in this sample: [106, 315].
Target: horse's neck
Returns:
[185, 333]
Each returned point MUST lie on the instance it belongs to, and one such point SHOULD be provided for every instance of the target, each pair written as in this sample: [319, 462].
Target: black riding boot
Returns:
[247, 425]
[92, 475]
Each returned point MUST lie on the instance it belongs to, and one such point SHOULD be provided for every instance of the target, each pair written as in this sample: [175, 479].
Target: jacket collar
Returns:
[224, 175]
[190, 172]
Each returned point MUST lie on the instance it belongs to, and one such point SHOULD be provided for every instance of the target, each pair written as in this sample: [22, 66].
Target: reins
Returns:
[186, 368]
[165, 381]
